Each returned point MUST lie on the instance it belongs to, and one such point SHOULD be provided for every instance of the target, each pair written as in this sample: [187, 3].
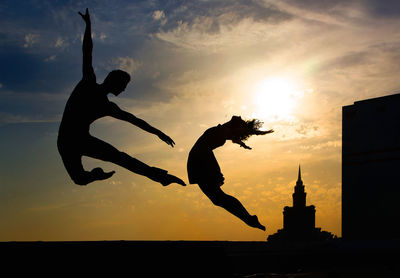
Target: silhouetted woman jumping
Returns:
[203, 168]
[87, 103]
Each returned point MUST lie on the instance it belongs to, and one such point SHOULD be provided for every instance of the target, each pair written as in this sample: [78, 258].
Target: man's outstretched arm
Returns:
[87, 47]
[120, 114]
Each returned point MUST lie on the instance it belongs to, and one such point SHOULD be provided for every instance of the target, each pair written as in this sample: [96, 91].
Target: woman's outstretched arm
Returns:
[87, 47]
[241, 143]
[256, 132]
[263, 132]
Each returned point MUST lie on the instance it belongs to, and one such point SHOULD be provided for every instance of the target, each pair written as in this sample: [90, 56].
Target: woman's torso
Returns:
[202, 164]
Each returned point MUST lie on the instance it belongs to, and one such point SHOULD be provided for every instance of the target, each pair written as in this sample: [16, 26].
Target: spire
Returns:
[299, 196]
[299, 177]
[299, 181]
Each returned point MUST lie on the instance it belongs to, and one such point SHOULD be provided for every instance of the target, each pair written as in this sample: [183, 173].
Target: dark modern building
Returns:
[371, 169]
[299, 220]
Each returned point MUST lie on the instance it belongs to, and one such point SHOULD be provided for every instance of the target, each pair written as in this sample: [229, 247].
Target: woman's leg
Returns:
[231, 204]
[99, 149]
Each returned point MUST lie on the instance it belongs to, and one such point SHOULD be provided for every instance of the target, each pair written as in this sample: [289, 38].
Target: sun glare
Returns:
[275, 98]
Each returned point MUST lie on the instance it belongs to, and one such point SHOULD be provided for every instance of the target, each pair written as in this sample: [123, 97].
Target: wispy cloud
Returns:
[126, 63]
[159, 15]
[8, 118]
[50, 58]
[60, 43]
[30, 40]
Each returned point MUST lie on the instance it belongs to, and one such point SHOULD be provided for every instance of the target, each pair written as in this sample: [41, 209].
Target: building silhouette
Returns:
[371, 169]
[299, 220]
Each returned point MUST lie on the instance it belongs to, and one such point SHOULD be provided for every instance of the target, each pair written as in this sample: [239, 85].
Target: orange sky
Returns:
[193, 67]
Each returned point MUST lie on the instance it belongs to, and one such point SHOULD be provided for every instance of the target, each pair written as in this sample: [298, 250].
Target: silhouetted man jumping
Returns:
[87, 103]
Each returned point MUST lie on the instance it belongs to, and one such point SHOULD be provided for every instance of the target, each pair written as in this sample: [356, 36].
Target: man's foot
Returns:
[168, 179]
[255, 223]
[99, 174]
[162, 176]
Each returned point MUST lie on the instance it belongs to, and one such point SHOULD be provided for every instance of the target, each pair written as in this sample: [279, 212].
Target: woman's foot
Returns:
[255, 223]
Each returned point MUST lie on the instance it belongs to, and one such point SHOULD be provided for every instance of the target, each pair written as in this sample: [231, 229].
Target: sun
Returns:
[275, 98]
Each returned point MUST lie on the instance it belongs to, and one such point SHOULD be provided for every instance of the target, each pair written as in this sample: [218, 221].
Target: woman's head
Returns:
[116, 81]
[243, 129]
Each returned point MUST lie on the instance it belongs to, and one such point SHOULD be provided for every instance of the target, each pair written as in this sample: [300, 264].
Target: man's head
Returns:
[116, 81]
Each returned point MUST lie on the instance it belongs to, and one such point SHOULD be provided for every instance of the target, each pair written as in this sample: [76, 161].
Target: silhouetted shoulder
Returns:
[85, 91]
[213, 137]
[89, 75]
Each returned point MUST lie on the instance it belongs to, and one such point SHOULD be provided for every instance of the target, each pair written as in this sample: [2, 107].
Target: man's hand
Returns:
[166, 139]
[86, 16]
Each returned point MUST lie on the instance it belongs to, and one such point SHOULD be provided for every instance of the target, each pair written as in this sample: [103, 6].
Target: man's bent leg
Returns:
[73, 165]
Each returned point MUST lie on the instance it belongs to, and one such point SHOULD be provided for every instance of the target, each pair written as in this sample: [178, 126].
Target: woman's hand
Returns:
[166, 139]
[86, 16]
[263, 132]
[240, 143]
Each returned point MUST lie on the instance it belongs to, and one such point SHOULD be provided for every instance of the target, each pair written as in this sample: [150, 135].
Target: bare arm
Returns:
[120, 114]
[263, 132]
[87, 48]
[258, 132]
[241, 143]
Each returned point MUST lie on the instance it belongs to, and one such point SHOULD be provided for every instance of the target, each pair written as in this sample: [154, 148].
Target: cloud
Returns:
[323, 145]
[49, 207]
[218, 25]
[226, 12]
[199, 36]
[371, 60]
[9, 118]
[126, 63]
[388, 8]
[1, 85]
[60, 43]
[31, 107]
[337, 13]
[50, 58]
[102, 36]
[30, 39]
[159, 16]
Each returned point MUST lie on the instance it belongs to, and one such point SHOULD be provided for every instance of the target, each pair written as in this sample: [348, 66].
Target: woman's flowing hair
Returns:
[245, 128]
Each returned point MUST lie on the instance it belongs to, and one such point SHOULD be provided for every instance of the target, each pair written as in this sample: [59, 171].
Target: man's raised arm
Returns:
[87, 48]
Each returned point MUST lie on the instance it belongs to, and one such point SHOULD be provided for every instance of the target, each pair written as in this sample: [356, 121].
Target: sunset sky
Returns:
[194, 64]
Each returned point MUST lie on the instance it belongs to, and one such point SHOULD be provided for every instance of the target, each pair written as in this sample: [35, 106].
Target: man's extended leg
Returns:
[99, 149]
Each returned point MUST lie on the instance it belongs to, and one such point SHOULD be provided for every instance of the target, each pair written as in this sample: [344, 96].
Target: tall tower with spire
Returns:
[299, 196]
[299, 220]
